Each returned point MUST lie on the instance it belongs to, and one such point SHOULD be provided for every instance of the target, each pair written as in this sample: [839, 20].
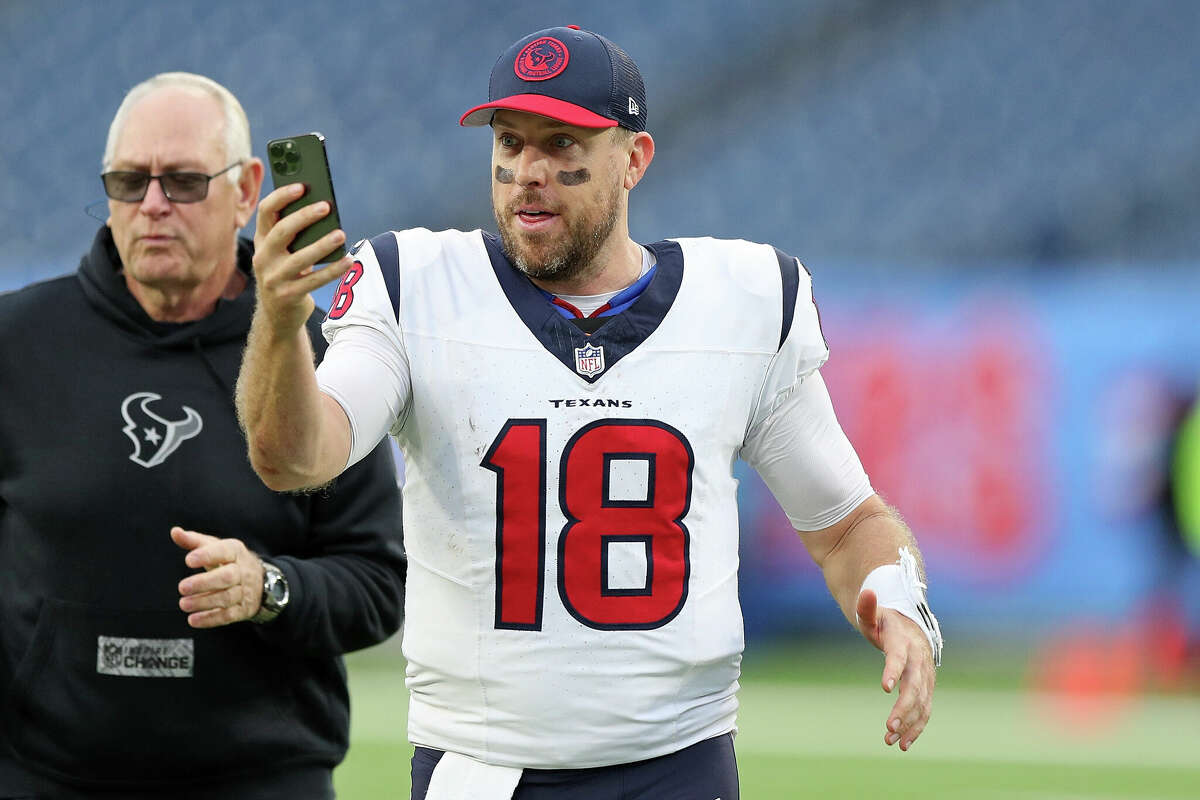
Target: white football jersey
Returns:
[570, 508]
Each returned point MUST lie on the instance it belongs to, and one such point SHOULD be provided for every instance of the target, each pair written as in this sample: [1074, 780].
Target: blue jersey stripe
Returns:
[615, 305]
[388, 256]
[789, 273]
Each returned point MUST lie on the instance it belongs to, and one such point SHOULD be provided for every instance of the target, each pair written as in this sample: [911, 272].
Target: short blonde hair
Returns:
[237, 126]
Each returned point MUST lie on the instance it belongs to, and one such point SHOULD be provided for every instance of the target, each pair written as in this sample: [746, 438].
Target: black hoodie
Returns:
[114, 428]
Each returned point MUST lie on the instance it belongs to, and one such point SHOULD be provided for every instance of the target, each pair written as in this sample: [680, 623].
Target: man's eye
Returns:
[507, 140]
[187, 181]
[128, 182]
[563, 141]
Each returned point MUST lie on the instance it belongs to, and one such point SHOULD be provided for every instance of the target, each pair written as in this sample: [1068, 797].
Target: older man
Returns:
[169, 627]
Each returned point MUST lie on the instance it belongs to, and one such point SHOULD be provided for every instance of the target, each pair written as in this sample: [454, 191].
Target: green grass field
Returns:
[811, 725]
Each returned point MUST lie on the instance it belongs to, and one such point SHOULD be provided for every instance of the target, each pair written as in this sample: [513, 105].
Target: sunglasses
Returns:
[179, 187]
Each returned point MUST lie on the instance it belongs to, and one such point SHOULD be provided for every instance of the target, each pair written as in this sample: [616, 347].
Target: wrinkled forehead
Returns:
[172, 127]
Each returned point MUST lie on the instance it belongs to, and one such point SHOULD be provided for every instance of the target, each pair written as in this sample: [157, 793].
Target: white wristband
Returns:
[899, 587]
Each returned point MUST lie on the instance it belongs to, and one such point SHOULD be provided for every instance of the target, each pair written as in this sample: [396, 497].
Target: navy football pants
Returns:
[704, 771]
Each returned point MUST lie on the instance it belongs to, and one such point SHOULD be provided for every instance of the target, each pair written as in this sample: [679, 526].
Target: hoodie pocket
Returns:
[134, 696]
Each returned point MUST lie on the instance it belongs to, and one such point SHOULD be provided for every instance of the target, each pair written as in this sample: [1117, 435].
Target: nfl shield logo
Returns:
[111, 655]
[589, 360]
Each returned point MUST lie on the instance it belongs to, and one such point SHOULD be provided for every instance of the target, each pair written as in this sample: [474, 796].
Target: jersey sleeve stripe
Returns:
[388, 256]
[789, 273]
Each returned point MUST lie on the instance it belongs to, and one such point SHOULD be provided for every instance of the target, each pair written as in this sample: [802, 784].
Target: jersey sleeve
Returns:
[366, 368]
[805, 459]
[794, 440]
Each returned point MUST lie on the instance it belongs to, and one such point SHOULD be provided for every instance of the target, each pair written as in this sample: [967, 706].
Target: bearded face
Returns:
[559, 253]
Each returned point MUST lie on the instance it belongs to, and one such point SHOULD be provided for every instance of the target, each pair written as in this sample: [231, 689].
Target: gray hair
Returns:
[236, 129]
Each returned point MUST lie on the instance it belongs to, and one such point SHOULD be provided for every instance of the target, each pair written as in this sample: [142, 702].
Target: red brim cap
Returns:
[541, 105]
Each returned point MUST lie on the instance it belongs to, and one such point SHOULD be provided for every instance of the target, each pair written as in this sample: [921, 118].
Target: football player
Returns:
[570, 404]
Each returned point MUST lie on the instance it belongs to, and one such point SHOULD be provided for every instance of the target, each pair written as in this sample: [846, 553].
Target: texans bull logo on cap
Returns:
[542, 59]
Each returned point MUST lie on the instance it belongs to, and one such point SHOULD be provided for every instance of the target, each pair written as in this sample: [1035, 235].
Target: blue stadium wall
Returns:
[1021, 423]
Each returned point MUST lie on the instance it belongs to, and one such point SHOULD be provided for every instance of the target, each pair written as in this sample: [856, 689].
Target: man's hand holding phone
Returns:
[285, 279]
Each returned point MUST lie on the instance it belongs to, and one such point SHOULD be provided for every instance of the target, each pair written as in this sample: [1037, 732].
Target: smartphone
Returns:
[302, 159]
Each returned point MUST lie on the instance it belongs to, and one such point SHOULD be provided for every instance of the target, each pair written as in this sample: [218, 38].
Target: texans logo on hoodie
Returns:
[155, 437]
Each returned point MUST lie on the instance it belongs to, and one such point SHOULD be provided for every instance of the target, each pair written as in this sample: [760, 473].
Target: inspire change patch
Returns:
[145, 658]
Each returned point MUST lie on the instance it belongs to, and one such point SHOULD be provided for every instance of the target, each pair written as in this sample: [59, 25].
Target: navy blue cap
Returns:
[567, 74]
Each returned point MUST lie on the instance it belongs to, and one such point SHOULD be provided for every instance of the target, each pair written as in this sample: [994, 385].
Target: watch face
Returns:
[278, 590]
[275, 594]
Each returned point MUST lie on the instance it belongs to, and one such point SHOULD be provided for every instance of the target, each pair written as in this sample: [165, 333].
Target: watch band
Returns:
[275, 594]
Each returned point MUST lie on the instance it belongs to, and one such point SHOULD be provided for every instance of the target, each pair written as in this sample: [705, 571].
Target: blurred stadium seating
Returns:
[929, 134]
[1020, 173]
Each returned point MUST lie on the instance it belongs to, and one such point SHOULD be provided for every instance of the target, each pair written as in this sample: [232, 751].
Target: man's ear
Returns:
[249, 185]
[640, 156]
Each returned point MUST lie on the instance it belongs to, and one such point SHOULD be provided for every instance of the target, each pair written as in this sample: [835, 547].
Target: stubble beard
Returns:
[540, 257]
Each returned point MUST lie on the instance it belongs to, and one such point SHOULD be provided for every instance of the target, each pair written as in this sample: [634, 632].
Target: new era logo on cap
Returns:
[571, 75]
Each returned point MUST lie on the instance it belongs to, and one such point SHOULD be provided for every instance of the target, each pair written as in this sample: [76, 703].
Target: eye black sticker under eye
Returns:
[504, 175]
[574, 178]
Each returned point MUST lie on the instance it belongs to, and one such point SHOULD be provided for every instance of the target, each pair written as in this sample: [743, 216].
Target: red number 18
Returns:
[596, 521]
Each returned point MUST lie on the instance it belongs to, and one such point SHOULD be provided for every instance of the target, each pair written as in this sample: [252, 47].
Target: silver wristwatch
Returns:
[275, 594]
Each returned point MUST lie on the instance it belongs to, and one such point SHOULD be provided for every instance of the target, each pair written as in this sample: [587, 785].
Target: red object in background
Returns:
[948, 418]
[1087, 679]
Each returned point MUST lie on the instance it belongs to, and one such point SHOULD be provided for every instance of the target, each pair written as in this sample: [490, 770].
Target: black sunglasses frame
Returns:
[166, 186]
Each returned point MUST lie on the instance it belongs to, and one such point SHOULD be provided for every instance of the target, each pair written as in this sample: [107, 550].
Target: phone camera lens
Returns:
[292, 158]
[276, 150]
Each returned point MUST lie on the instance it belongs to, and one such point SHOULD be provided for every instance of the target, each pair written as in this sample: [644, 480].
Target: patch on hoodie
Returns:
[145, 658]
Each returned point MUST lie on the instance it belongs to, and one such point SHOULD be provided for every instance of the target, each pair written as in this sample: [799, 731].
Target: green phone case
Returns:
[302, 159]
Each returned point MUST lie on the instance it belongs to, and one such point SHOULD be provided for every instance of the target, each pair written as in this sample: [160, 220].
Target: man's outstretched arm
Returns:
[871, 536]
[298, 437]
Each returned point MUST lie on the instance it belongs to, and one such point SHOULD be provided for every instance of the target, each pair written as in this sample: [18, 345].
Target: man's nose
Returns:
[155, 203]
[531, 167]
